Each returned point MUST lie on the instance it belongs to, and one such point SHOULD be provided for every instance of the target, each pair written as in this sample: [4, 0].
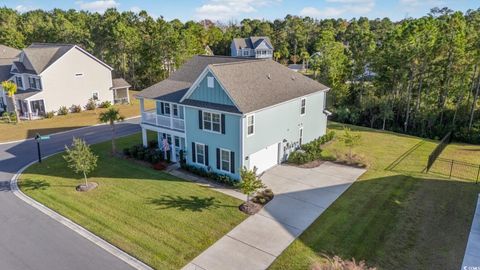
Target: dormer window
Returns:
[35, 83]
[210, 82]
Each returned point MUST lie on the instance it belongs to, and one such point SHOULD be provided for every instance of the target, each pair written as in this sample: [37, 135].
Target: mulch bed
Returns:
[86, 188]
[250, 208]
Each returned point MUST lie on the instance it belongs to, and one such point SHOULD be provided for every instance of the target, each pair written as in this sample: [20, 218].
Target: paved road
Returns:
[30, 239]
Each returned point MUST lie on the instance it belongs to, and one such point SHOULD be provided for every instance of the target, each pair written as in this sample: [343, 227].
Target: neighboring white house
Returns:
[257, 47]
[49, 76]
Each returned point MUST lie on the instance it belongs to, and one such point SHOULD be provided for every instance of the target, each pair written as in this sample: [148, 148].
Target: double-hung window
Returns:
[303, 106]
[250, 125]
[245, 53]
[175, 109]
[200, 153]
[19, 81]
[167, 108]
[95, 96]
[225, 157]
[212, 121]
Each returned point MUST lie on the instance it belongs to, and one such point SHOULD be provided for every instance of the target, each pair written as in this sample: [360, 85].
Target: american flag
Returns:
[166, 146]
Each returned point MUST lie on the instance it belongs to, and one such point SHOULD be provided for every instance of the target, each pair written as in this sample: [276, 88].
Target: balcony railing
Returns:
[151, 117]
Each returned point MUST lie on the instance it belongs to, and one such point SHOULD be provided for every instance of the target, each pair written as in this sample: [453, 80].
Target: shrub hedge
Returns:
[310, 151]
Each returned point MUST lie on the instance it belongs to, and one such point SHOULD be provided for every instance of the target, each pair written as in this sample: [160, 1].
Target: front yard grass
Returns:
[394, 216]
[28, 129]
[158, 218]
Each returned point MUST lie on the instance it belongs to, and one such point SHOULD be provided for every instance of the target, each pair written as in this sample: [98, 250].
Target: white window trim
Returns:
[229, 160]
[173, 110]
[196, 154]
[165, 104]
[211, 121]
[303, 107]
[210, 82]
[254, 120]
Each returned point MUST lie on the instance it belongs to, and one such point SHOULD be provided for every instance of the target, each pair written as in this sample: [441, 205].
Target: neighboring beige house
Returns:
[49, 76]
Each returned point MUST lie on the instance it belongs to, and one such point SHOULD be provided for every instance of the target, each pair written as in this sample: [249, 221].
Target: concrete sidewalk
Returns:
[471, 260]
[301, 196]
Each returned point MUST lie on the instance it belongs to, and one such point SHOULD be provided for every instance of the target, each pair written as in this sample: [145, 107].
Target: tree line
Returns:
[417, 76]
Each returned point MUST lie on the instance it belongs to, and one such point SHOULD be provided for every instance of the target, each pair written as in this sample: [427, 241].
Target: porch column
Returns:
[173, 155]
[144, 137]
[128, 95]
[29, 108]
[142, 106]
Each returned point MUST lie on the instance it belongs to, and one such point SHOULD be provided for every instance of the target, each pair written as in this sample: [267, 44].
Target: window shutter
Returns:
[223, 123]
[162, 108]
[218, 158]
[232, 162]
[206, 155]
[194, 157]
[200, 119]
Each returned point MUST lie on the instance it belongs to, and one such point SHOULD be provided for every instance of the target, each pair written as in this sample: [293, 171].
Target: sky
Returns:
[236, 10]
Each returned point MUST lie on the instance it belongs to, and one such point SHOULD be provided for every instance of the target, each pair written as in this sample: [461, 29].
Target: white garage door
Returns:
[265, 158]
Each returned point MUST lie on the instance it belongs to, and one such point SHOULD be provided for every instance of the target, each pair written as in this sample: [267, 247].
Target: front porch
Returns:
[170, 141]
[31, 109]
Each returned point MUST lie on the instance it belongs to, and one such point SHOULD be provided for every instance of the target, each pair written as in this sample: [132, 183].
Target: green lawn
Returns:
[395, 216]
[162, 220]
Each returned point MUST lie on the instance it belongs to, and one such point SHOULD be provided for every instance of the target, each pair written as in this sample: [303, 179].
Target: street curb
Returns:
[65, 131]
[120, 254]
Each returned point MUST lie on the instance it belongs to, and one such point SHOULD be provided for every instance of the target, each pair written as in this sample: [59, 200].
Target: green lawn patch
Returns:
[395, 216]
[158, 218]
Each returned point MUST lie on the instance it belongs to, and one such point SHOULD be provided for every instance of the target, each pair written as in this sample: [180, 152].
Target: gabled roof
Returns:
[173, 88]
[255, 85]
[7, 56]
[252, 84]
[39, 56]
[251, 42]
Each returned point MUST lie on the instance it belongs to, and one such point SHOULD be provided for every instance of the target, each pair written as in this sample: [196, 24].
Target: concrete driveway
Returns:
[301, 196]
[33, 240]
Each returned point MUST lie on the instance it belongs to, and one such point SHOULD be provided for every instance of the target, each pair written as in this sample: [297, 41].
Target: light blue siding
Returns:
[282, 123]
[229, 141]
[213, 95]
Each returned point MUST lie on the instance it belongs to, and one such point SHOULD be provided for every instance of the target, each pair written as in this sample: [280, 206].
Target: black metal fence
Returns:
[438, 150]
[456, 169]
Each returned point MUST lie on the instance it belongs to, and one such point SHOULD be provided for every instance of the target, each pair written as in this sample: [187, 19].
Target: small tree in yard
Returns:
[80, 158]
[350, 140]
[111, 116]
[250, 182]
[11, 88]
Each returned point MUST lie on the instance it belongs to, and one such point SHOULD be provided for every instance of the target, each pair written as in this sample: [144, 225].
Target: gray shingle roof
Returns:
[5, 66]
[40, 56]
[173, 88]
[120, 83]
[23, 94]
[252, 84]
[255, 85]
[251, 42]
[8, 52]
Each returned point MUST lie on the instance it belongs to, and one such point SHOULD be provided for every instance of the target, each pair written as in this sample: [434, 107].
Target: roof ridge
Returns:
[256, 60]
[52, 44]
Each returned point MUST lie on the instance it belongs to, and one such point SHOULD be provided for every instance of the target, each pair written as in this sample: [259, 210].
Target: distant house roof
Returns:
[251, 42]
[252, 84]
[7, 56]
[120, 83]
[39, 56]
[8, 52]
[296, 67]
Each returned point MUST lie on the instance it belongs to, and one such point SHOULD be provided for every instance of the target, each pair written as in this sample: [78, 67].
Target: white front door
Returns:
[265, 158]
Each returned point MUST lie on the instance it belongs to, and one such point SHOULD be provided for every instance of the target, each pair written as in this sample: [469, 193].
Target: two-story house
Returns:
[49, 76]
[228, 112]
[255, 47]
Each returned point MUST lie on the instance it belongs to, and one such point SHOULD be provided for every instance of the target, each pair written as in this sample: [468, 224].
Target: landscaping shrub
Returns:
[142, 153]
[91, 105]
[62, 111]
[217, 177]
[337, 263]
[49, 114]
[311, 151]
[126, 152]
[105, 104]
[152, 144]
[263, 197]
[75, 108]
[160, 166]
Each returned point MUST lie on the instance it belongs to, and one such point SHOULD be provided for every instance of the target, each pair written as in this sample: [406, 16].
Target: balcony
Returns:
[151, 117]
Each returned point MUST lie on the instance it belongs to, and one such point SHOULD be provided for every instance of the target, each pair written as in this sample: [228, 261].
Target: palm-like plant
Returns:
[111, 115]
[277, 55]
[11, 89]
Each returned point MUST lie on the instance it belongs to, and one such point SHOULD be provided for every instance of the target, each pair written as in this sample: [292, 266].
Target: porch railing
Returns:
[151, 117]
